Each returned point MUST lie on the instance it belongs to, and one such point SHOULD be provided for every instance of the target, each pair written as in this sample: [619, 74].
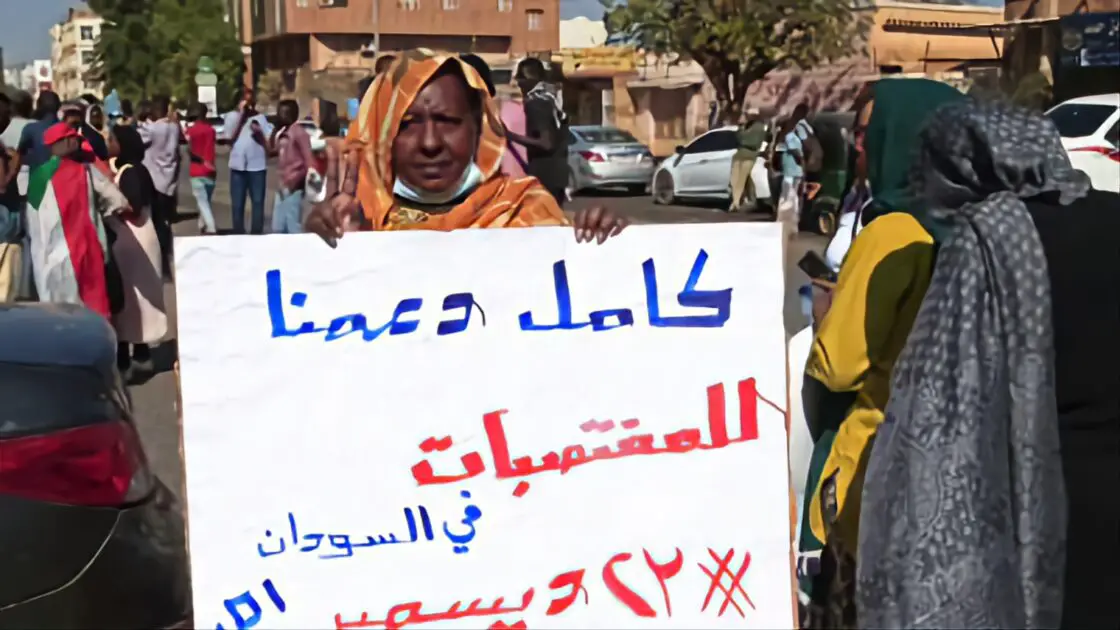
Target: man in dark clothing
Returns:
[546, 133]
[32, 150]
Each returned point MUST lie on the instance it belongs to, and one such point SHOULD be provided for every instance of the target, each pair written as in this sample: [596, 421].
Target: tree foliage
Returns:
[151, 47]
[737, 42]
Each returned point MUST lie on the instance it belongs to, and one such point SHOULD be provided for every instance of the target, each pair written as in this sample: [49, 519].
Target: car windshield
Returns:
[606, 135]
[1077, 120]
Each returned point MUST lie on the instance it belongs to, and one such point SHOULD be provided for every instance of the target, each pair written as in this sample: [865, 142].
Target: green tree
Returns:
[152, 47]
[737, 42]
[128, 50]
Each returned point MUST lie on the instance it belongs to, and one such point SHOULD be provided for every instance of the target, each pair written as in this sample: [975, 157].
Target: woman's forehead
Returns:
[446, 90]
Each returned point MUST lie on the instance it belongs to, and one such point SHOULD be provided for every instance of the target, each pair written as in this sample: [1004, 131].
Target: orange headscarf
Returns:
[499, 201]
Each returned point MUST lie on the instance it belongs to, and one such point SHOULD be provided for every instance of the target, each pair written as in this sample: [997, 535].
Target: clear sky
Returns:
[25, 37]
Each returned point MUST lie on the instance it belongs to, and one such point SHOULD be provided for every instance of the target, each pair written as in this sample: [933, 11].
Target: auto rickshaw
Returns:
[820, 213]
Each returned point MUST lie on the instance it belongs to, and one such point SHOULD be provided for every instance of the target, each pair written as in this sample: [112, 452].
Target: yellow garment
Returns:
[880, 289]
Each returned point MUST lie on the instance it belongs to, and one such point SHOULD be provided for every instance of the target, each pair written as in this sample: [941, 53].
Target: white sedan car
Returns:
[702, 170]
[1090, 130]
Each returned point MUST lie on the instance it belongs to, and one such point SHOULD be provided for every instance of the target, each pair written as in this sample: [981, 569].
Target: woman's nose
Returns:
[430, 141]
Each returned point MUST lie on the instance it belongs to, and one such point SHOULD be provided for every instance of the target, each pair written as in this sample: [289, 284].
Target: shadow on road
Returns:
[607, 192]
[622, 193]
[164, 357]
[182, 217]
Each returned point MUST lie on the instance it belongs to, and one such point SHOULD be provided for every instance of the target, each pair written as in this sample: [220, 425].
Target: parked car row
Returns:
[600, 157]
[701, 170]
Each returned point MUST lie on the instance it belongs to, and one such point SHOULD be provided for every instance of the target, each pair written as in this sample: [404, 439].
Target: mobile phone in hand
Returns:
[816, 268]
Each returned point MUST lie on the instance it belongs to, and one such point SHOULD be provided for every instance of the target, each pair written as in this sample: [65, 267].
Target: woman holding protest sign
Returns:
[426, 153]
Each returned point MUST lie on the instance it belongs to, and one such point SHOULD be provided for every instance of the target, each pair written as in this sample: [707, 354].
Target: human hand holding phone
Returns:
[818, 270]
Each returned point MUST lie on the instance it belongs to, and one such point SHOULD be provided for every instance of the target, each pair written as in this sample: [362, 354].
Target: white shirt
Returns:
[850, 225]
[803, 129]
[10, 138]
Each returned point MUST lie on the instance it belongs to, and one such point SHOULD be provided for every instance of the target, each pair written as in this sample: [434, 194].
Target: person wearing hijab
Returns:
[876, 298]
[142, 319]
[1010, 376]
[95, 118]
[426, 152]
[68, 197]
[74, 113]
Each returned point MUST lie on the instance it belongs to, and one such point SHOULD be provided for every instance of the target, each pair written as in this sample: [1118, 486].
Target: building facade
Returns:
[237, 12]
[31, 77]
[72, 53]
[311, 42]
[666, 104]
[1061, 49]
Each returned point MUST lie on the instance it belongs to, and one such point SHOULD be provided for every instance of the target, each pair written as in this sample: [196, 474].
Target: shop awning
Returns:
[601, 62]
[666, 83]
[657, 73]
[337, 85]
[963, 30]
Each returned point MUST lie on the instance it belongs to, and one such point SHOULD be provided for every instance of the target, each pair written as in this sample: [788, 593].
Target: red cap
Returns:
[62, 131]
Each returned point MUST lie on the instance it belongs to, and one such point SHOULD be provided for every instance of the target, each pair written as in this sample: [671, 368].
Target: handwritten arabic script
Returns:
[343, 545]
[570, 457]
[566, 590]
[463, 305]
[236, 605]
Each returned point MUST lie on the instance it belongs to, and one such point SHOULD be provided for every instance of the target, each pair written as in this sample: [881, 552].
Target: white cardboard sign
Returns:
[487, 429]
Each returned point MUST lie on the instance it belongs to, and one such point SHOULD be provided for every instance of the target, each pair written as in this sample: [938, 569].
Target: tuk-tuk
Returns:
[819, 214]
[832, 129]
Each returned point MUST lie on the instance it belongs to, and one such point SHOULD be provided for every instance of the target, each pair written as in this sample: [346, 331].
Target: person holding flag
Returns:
[68, 197]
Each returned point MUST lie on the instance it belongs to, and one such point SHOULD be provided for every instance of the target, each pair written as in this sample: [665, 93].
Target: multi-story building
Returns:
[343, 37]
[72, 53]
[237, 12]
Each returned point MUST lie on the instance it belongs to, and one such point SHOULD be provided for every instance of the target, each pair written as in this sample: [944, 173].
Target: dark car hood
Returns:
[55, 334]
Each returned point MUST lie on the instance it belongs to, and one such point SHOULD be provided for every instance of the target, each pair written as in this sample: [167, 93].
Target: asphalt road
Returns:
[155, 396]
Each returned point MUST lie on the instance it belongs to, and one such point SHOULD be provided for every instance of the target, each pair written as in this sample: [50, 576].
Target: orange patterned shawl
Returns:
[499, 201]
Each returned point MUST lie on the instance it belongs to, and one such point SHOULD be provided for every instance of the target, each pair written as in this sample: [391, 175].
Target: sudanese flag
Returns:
[68, 242]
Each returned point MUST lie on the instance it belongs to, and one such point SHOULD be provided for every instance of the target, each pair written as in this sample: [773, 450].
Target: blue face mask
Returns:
[470, 180]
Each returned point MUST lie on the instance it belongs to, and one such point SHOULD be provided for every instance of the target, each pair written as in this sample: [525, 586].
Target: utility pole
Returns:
[377, 27]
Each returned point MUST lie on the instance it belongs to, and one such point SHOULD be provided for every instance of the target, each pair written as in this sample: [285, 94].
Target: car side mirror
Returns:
[679, 150]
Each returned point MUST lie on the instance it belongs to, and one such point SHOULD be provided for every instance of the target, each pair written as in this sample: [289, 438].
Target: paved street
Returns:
[155, 399]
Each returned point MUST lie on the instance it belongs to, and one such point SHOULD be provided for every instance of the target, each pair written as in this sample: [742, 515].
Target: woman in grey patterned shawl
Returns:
[964, 518]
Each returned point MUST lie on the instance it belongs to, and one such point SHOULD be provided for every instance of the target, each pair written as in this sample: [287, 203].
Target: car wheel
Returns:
[663, 193]
[819, 216]
[826, 223]
[636, 189]
[573, 185]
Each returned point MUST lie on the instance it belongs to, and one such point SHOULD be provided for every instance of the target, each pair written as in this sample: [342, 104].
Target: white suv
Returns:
[1090, 129]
